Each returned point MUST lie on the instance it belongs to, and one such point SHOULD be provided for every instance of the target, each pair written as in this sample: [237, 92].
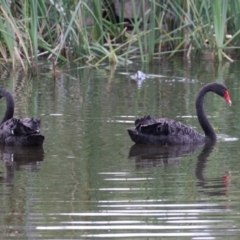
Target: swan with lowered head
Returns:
[165, 131]
[18, 131]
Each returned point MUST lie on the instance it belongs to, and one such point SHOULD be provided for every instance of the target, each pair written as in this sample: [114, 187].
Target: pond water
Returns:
[89, 181]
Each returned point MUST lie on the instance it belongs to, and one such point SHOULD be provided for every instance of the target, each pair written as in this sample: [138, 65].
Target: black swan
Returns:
[165, 131]
[16, 131]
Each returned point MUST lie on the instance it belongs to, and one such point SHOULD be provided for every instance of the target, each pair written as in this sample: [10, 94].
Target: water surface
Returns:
[90, 181]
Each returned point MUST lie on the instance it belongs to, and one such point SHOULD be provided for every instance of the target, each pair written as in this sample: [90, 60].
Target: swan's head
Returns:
[218, 88]
[221, 90]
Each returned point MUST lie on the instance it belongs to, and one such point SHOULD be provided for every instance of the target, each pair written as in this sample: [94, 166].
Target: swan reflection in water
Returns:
[155, 155]
[16, 157]
[147, 156]
[213, 186]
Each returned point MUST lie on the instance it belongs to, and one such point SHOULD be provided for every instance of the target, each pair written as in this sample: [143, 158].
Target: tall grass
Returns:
[219, 8]
[94, 31]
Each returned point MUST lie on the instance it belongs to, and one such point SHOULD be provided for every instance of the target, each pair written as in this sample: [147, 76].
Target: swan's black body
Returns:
[15, 131]
[167, 131]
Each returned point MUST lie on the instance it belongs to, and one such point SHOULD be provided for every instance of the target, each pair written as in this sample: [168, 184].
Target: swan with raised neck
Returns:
[18, 131]
[165, 131]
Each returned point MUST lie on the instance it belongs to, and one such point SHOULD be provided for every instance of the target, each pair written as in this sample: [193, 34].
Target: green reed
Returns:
[79, 31]
[219, 8]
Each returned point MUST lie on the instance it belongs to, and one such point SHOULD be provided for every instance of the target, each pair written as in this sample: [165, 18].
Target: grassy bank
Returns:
[93, 31]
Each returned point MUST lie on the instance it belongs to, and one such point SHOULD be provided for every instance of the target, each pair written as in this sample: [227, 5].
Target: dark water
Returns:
[89, 181]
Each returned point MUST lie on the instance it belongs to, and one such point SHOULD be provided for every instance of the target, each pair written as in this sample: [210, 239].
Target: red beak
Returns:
[227, 98]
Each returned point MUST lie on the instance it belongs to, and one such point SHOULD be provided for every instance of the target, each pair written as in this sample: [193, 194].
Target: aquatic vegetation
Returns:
[116, 31]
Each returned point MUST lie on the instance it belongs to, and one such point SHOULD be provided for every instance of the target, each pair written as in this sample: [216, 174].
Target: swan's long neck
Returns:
[202, 118]
[10, 105]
